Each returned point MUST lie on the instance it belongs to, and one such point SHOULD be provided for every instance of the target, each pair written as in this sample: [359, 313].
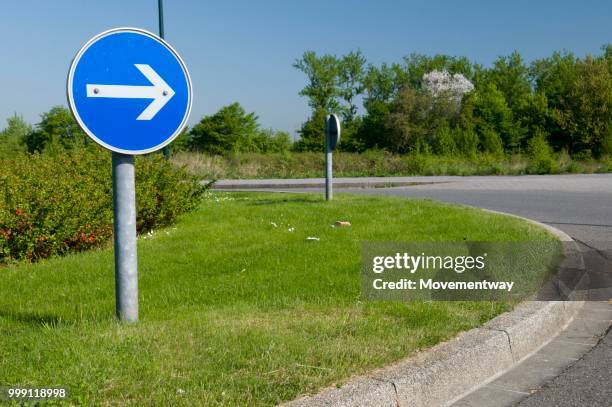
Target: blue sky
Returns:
[243, 50]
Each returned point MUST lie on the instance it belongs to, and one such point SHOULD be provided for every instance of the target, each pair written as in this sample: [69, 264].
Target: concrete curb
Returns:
[448, 371]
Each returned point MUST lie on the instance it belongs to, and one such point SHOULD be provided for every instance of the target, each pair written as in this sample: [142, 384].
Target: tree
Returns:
[510, 76]
[443, 84]
[387, 98]
[492, 113]
[578, 95]
[11, 138]
[181, 142]
[372, 132]
[553, 79]
[409, 124]
[536, 118]
[447, 92]
[351, 140]
[312, 133]
[554, 76]
[231, 129]
[417, 65]
[587, 113]
[383, 84]
[333, 85]
[607, 55]
[57, 128]
[351, 77]
[322, 89]
[607, 51]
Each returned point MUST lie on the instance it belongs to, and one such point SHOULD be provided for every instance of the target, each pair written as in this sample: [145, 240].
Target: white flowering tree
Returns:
[442, 83]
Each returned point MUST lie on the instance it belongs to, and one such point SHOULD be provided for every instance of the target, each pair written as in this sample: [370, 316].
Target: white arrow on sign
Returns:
[160, 92]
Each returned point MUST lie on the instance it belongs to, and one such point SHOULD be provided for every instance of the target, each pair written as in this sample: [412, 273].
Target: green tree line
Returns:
[437, 104]
[561, 101]
[230, 130]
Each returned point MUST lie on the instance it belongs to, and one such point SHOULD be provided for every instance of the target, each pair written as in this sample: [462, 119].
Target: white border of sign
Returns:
[73, 109]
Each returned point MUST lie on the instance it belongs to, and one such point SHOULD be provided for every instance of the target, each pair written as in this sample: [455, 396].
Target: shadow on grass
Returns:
[33, 318]
[49, 320]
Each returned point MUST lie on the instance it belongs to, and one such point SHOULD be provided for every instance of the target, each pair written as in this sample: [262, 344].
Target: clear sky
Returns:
[242, 50]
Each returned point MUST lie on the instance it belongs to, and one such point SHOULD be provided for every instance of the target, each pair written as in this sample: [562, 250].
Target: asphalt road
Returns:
[580, 205]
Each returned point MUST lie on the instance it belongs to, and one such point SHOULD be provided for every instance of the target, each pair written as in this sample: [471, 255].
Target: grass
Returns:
[378, 163]
[235, 310]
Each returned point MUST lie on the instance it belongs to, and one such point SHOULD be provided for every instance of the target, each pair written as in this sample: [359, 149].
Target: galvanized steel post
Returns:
[126, 260]
[328, 169]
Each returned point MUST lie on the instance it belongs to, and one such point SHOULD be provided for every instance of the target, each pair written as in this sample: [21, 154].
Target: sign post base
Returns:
[126, 260]
[328, 175]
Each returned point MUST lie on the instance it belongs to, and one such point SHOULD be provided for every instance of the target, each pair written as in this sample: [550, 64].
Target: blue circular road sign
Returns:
[129, 90]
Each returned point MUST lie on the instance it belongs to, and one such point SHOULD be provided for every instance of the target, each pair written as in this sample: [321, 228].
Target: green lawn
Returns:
[235, 311]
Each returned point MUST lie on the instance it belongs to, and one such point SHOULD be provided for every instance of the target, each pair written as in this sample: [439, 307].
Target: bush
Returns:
[541, 156]
[270, 141]
[377, 163]
[605, 148]
[467, 142]
[55, 204]
[444, 143]
[491, 142]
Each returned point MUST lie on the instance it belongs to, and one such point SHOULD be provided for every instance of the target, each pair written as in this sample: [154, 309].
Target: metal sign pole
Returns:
[328, 169]
[160, 15]
[126, 261]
